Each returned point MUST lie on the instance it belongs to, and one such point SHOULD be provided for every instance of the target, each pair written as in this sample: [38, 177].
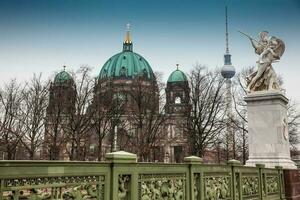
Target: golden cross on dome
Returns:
[127, 37]
[177, 65]
[128, 26]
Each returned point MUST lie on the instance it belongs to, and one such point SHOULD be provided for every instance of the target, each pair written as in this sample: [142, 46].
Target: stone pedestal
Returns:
[268, 130]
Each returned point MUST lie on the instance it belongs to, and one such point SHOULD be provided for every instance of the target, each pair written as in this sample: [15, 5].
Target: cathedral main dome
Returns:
[126, 64]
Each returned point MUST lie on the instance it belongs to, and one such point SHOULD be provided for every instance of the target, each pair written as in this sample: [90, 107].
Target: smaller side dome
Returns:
[177, 76]
[62, 77]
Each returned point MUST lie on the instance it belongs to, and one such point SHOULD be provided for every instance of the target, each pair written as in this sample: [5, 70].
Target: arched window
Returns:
[123, 71]
[177, 100]
[145, 73]
[119, 99]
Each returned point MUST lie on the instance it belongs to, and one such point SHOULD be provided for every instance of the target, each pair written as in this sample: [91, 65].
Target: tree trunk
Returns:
[99, 149]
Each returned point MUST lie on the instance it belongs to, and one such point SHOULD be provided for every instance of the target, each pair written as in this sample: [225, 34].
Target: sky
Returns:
[43, 35]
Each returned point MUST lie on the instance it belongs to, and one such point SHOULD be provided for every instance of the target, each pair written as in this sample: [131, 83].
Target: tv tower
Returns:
[228, 71]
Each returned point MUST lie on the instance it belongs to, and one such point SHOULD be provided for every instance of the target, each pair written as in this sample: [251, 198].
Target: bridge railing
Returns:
[121, 177]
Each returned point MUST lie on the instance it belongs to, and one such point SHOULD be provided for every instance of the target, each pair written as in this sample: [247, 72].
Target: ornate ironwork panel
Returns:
[217, 187]
[250, 186]
[124, 187]
[272, 184]
[237, 186]
[65, 187]
[196, 186]
[162, 186]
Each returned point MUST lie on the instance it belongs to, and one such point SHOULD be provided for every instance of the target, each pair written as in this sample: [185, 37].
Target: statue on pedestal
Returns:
[270, 50]
[267, 108]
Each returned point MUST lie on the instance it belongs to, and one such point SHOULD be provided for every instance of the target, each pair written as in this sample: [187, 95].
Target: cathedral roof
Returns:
[62, 77]
[177, 76]
[126, 64]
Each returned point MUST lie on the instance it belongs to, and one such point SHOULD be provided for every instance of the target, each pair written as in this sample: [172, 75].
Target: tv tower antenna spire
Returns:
[228, 71]
[226, 25]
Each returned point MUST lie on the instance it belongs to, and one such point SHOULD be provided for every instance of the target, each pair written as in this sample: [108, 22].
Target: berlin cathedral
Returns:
[126, 102]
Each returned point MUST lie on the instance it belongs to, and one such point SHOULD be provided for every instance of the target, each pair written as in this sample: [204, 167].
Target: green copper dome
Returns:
[177, 76]
[126, 64]
[62, 77]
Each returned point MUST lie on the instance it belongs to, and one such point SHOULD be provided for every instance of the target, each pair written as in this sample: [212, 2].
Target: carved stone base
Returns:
[268, 131]
[272, 162]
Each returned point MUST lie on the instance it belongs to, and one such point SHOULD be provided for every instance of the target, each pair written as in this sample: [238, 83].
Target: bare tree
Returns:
[54, 132]
[147, 116]
[10, 128]
[33, 113]
[239, 120]
[60, 107]
[205, 122]
[78, 126]
[293, 124]
[107, 112]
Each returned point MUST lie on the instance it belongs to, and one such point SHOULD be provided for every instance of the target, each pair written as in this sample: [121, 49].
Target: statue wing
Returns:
[279, 50]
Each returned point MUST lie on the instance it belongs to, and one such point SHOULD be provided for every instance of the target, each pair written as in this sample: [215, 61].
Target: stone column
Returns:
[268, 130]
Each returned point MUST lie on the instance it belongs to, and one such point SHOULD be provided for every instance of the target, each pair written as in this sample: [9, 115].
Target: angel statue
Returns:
[270, 50]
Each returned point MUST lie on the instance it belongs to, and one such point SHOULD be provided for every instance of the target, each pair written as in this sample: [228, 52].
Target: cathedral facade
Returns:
[126, 112]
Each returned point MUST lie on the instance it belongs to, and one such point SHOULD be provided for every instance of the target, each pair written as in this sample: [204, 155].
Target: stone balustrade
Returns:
[122, 178]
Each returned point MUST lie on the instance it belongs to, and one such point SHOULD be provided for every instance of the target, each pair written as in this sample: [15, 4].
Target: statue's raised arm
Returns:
[270, 50]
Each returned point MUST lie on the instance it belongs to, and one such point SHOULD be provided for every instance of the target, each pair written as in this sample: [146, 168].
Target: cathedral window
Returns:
[178, 132]
[119, 98]
[123, 71]
[145, 73]
[177, 100]
[178, 153]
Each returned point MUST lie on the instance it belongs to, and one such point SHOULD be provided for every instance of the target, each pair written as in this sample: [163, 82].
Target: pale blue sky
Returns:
[42, 35]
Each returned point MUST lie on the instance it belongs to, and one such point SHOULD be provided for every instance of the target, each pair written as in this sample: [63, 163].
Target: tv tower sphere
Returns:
[228, 71]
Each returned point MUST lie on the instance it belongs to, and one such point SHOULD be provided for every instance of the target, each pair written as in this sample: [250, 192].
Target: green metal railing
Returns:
[121, 177]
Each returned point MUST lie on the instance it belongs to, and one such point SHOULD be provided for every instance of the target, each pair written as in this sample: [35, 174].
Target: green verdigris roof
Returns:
[62, 77]
[177, 76]
[126, 64]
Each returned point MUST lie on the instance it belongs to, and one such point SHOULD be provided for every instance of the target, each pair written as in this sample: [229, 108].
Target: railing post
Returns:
[192, 184]
[261, 181]
[121, 187]
[280, 181]
[1, 188]
[234, 163]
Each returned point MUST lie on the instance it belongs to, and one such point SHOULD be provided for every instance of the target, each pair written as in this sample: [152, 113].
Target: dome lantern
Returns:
[127, 44]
